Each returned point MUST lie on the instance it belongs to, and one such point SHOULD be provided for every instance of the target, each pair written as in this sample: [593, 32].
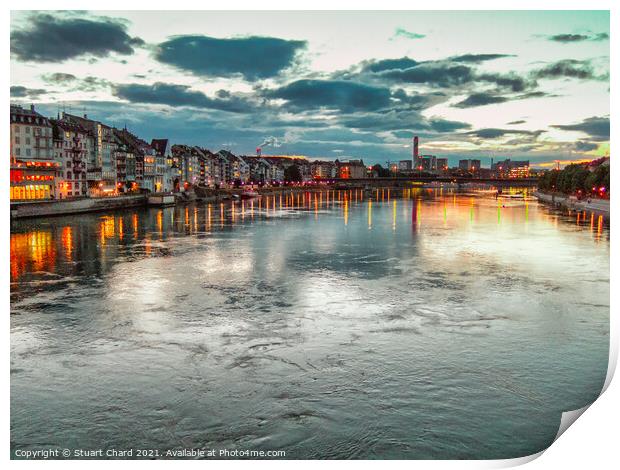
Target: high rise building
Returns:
[416, 154]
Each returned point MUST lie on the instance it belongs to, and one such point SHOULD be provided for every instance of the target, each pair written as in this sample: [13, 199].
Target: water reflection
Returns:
[34, 250]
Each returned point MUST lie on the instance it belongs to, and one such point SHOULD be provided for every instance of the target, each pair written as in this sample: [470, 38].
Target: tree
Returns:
[381, 172]
[292, 173]
[578, 180]
[576, 177]
[598, 178]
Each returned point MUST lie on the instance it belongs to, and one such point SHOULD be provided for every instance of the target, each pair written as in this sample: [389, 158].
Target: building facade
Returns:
[33, 169]
[73, 145]
[469, 165]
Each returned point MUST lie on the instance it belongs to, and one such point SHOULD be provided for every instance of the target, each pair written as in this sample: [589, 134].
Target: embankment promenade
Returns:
[598, 206]
[23, 210]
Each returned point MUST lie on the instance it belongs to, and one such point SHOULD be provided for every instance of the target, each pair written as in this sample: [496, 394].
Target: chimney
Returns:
[32, 108]
[85, 116]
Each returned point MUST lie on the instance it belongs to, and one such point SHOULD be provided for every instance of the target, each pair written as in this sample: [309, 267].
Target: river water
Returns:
[421, 324]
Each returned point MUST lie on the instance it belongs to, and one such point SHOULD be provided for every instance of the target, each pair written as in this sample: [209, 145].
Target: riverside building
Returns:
[73, 145]
[33, 169]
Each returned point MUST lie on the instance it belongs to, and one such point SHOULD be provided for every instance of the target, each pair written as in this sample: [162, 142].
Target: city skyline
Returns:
[531, 85]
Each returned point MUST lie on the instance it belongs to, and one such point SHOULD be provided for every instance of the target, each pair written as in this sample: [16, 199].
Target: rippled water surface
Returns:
[433, 325]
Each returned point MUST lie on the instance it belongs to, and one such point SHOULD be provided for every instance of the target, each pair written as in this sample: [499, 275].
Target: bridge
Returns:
[406, 180]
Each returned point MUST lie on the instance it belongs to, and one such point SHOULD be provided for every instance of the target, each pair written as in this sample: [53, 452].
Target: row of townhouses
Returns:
[74, 156]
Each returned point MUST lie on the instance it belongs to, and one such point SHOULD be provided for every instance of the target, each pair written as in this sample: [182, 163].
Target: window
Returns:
[68, 175]
[27, 130]
[27, 152]
[27, 140]
[17, 139]
[18, 151]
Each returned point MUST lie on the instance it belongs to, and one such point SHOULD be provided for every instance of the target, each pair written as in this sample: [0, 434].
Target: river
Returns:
[417, 324]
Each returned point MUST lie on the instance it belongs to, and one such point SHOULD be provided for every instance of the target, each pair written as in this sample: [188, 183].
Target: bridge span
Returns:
[402, 181]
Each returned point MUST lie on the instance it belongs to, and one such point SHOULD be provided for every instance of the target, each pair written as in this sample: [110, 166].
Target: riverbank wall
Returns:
[75, 206]
[598, 206]
[23, 210]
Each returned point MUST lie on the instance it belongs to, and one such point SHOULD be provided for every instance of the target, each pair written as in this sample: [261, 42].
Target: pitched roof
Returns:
[160, 146]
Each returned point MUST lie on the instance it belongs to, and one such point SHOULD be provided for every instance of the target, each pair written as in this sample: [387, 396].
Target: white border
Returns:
[591, 442]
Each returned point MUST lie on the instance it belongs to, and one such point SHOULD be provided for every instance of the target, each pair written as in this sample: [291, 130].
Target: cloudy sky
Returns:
[529, 85]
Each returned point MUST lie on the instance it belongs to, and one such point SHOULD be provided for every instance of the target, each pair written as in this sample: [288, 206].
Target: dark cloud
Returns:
[448, 73]
[477, 58]
[50, 38]
[582, 146]
[18, 91]
[443, 125]
[480, 99]
[569, 68]
[596, 127]
[389, 64]
[400, 32]
[59, 78]
[568, 38]
[520, 121]
[510, 81]
[88, 83]
[332, 94]
[253, 57]
[402, 120]
[486, 98]
[93, 83]
[388, 121]
[534, 94]
[178, 95]
[493, 133]
[419, 101]
[432, 74]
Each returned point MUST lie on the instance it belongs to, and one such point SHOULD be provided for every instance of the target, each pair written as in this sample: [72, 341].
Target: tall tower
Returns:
[416, 155]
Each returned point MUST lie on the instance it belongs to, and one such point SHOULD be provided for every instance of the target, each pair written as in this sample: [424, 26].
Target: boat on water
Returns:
[517, 195]
[511, 196]
[249, 194]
